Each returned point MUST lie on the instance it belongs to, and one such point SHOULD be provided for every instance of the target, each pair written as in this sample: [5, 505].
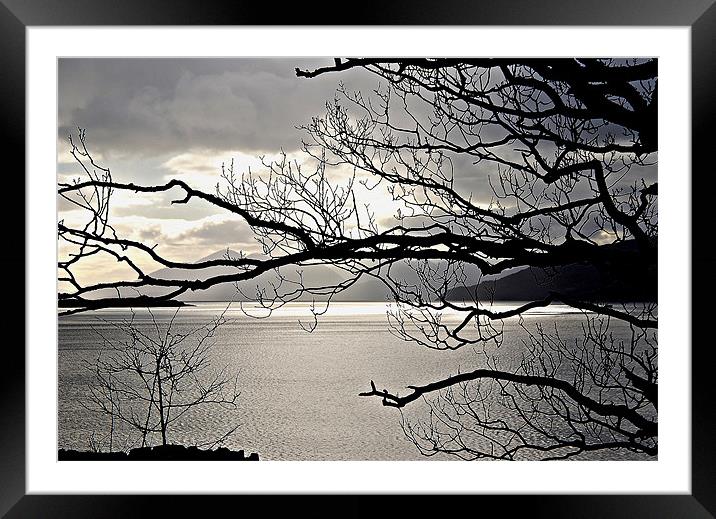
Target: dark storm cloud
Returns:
[140, 112]
[152, 107]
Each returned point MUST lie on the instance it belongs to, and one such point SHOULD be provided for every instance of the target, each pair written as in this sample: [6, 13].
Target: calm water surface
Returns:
[299, 391]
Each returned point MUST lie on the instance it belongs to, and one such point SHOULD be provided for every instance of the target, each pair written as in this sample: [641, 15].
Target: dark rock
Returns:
[160, 452]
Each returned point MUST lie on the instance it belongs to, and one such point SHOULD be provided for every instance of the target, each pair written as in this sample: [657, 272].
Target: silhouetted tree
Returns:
[566, 149]
[149, 375]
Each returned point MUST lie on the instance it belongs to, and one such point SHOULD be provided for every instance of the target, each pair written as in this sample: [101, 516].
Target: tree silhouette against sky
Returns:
[493, 165]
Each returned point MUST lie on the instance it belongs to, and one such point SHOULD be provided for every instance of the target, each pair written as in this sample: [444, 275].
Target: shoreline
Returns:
[159, 453]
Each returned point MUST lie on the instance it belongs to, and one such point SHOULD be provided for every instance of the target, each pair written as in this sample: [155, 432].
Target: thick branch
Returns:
[647, 427]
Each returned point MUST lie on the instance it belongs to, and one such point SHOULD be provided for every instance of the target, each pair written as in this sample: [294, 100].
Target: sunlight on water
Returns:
[299, 391]
[335, 309]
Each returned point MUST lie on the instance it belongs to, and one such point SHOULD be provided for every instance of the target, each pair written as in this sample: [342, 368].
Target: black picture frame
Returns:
[700, 15]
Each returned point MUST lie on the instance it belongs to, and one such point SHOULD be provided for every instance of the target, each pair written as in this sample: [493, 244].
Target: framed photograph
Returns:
[417, 254]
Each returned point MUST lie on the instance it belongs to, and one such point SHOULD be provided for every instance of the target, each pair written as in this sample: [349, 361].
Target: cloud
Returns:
[202, 169]
[163, 209]
[184, 240]
[150, 120]
[217, 234]
[149, 107]
[153, 233]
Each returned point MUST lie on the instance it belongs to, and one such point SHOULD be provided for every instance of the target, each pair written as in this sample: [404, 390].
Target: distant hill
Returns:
[366, 289]
[580, 281]
[316, 275]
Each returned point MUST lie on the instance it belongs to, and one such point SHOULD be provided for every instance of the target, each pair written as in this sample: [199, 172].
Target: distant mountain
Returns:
[366, 289]
[223, 291]
[579, 281]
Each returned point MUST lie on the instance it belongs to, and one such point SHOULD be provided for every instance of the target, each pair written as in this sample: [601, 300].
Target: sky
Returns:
[150, 120]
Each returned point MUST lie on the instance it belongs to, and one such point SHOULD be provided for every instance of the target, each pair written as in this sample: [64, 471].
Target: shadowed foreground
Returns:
[159, 452]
